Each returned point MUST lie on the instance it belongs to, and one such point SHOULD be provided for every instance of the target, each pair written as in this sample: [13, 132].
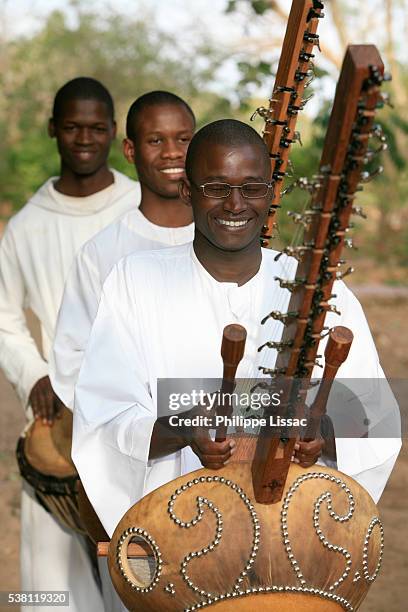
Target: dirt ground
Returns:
[388, 320]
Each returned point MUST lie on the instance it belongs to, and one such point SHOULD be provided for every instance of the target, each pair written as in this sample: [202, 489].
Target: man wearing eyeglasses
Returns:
[162, 315]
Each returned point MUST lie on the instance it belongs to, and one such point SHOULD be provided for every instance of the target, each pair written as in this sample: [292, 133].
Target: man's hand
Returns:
[45, 403]
[167, 439]
[213, 455]
[307, 453]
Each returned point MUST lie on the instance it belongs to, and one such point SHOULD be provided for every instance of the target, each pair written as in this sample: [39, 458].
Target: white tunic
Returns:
[36, 252]
[131, 233]
[162, 315]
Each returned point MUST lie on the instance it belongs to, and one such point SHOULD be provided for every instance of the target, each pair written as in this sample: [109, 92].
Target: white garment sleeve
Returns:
[19, 356]
[368, 460]
[114, 412]
[77, 312]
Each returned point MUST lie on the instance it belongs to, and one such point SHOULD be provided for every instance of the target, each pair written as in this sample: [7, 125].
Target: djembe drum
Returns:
[44, 459]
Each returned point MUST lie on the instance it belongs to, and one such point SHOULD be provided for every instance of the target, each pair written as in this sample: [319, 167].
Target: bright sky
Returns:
[25, 15]
[176, 16]
[232, 31]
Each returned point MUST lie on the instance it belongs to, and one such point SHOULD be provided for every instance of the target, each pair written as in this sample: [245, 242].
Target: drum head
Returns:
[48, 449]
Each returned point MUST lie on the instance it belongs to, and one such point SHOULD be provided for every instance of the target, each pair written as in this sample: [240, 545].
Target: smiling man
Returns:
[36, 252]
[162, 315]
[159, 127]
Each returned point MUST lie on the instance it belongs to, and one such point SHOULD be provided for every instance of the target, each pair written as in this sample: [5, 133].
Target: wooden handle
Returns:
[232, 351]
[133, 550]
[338, 347]
[337, 350]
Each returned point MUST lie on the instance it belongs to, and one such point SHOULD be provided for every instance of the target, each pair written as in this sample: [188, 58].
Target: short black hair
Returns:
[224, 132]
[82, 88]
[152, 98]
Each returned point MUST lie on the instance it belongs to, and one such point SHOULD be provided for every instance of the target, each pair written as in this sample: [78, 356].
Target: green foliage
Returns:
[129, 56]
[260, 6]
[132, 56]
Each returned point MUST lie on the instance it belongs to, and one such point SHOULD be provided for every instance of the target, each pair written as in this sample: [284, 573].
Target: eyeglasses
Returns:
[247, 190]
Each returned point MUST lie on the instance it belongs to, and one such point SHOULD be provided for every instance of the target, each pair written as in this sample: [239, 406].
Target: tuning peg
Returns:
[358, 210]
[305, 101]
[376, 77]
[315, 362]
[384, 99]
[310, 37]
[299, 219]
[341, 275]
[304, 219]
[348, 197]
[310, 186]
[261, 385]
[276, 122]
[365, 114]
[310, 80]
[305, 57]
[314, 186]
[279, 346]
[302, 75]
[325, 332]
[333, 308]
[291, 285]
[366, 177]
[283, 317]
[349, 244]
[286, 142]
[296, 252]
[378, 132]
[272, 371]
[289, 188]
[314, 15]
[293, 109]
[285, 89]
[371, 153]
[262, 111]
[291, 168]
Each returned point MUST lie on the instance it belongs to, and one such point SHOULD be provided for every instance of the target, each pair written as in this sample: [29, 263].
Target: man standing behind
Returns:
[36, 252]
[159, 128]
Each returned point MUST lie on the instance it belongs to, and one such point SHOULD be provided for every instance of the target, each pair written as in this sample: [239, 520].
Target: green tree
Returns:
[129, 56]
[385, 234]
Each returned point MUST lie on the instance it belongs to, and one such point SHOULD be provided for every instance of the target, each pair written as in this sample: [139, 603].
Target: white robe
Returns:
[36, 252]
[162, 315]
[131, 233]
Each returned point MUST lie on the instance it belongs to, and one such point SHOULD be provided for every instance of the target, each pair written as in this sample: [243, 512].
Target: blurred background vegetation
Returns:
[134, 54]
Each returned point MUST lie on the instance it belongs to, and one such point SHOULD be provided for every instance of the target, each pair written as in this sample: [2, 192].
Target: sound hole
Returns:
[141, 561]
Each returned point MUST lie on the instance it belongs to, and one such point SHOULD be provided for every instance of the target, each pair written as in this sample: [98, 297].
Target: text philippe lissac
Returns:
[211, 401]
